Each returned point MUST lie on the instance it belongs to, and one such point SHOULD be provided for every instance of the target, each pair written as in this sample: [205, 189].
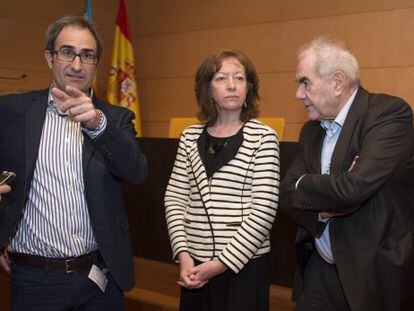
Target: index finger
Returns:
[59, 94]
[73, 91]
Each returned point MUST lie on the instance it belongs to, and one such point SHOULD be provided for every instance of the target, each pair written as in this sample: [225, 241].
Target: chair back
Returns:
[278, 124]
[178, 125]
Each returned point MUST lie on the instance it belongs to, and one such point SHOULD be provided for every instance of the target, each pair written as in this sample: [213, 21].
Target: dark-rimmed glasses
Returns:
[69, 55]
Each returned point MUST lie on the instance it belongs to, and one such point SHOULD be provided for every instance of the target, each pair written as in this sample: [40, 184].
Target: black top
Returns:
[216, 152]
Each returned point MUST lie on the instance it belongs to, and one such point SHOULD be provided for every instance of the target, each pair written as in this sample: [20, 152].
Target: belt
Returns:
[65, 264]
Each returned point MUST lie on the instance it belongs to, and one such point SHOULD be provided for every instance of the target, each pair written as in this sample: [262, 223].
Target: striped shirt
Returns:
[55, 221]
[229, 216]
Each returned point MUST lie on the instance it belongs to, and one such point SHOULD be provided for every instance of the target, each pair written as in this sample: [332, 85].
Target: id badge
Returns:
[98, 277]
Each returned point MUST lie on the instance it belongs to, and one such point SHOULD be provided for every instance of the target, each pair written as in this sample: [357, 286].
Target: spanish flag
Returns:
[122, 86]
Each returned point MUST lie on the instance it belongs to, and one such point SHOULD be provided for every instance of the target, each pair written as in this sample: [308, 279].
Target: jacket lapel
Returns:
[87, 152]
[316, 149]
[340, 153]
[35, 118]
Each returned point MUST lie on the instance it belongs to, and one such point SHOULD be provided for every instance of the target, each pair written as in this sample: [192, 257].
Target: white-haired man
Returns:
[350, 189]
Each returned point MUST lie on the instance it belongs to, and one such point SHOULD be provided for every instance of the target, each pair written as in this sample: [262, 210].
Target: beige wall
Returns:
[171, 38]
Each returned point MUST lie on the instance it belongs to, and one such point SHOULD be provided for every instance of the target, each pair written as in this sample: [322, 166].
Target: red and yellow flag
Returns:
[122, 86]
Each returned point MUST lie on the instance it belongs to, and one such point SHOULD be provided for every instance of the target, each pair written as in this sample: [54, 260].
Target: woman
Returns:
[222, 196]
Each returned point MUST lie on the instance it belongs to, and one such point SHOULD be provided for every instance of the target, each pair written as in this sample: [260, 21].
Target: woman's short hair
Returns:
[56, 27]
[331, 55]
[205, 73]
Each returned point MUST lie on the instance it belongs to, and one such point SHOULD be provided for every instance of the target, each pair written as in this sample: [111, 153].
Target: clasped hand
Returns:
[193, 277]
[77, 105]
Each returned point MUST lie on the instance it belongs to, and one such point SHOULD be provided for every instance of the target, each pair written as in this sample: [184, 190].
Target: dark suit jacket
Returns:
[374, 246]
[112, 157]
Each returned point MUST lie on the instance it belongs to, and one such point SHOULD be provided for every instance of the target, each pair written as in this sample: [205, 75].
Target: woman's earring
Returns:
[244, 105]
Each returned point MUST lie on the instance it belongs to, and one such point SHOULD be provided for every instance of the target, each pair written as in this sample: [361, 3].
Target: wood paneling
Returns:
[165, 16]
[171, 38]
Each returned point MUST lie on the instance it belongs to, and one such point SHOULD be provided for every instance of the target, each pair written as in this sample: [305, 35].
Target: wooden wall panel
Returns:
[180, 54]
[171, 38]
[20, 50]
[155, 129]
[377, 39]
[382, 40]
[166, 17]
[11, 80]
[39, 12]
[397, 81]
[165, 96]
[278, 97]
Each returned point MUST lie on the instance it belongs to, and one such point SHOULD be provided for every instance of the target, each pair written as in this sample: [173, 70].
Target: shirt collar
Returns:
[339, 121]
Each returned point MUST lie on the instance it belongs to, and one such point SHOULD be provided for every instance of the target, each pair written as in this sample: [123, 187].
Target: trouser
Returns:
[42, 288]
[322, 288]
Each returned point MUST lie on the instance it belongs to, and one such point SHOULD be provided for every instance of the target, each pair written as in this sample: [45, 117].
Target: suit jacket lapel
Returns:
[345, 138]
[35, 117]
[87, 152]
[316, 149]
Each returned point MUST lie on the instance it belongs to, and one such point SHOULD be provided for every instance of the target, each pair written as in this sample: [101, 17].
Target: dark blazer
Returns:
[374, 246]
[112, 157]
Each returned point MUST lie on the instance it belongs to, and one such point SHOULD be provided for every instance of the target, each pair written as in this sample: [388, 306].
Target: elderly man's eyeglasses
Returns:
[69, 55]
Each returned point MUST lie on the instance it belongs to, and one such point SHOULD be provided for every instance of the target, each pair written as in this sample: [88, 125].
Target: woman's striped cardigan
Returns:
[229, 216]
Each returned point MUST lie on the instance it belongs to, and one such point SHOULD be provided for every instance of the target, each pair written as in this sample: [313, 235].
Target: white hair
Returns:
[331, 55]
